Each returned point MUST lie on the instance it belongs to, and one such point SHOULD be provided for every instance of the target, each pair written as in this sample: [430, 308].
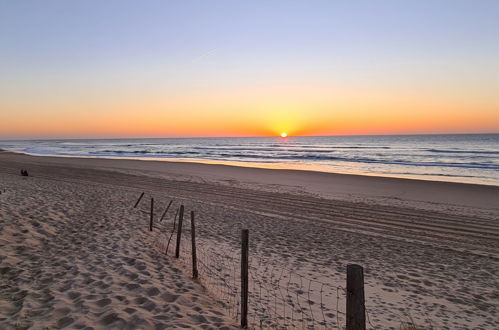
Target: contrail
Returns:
[208, 53]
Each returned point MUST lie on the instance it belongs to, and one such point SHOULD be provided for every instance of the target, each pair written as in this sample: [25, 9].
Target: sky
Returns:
[98, 69]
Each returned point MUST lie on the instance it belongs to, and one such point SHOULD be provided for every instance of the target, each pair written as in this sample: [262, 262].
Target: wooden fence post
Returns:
[194, 256]
[244, 278]
[356, 310]
[152, 214]
[138, 200]
[179, 230]
[166, 210]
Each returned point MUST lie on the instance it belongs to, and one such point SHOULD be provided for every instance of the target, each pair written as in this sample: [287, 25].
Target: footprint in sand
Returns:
[103, 302]
[151, 292]
[168, 297]
[64, 322]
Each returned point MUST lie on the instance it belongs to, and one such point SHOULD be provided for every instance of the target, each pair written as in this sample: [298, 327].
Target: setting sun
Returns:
[283, 135]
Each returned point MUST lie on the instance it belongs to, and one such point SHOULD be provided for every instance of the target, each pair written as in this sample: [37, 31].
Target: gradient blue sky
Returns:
[65, 59]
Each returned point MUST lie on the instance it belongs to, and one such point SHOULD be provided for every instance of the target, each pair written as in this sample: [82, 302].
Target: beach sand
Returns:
[75, 253]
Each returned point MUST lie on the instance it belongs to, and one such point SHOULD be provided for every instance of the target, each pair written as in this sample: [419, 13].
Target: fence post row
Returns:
[138, 200]
[244, 278]
[194, 256]
[179, 231]
[356, 310]
[152, 214]
[355, 300]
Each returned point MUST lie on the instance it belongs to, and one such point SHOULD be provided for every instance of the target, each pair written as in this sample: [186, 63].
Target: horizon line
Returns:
[232, 137]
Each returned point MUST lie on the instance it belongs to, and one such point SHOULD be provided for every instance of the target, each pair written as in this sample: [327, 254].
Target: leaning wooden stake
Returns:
[244, 278]
[173, 230]
[194, 256]
[356, 311]
[152, 214]
[179, 230]
[167, 208]
[138, 200]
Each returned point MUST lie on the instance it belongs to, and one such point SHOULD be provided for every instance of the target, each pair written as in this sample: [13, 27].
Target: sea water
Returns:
[467, 158]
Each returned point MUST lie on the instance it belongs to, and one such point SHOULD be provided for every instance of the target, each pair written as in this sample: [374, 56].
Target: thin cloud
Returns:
[202, 56]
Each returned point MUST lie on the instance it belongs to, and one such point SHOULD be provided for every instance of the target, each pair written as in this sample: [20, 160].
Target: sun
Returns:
[283, 134]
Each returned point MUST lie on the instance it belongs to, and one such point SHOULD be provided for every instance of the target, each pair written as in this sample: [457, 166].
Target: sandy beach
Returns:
[75, 254]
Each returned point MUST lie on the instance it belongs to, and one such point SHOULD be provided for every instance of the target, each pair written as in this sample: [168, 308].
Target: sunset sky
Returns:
[73, 69]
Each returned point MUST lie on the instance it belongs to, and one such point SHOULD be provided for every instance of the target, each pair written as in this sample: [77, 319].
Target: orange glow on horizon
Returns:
[263, 111]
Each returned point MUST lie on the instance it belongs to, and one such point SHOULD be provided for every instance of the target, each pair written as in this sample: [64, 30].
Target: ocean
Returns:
[467, 158]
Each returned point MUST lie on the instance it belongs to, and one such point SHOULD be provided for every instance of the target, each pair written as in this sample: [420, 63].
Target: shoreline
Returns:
[378, 189]
[393, 170]
[179, 161]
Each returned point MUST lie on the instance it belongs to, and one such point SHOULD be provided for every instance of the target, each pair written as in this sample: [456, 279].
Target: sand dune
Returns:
[74, 253]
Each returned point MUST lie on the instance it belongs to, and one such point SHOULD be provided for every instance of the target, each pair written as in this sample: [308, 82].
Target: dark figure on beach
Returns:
[24, 173]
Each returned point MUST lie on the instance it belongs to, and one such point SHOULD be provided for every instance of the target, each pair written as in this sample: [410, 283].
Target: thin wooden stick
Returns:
[164, 213]
[152, 214]
[171, 234]
[138, 201]
[175, 219]
[244, 277]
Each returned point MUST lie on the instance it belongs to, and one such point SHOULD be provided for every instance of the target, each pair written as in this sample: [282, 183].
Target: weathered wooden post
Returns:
[152, 214]
[166, 210]
[244, 277]
[356, 310]
[179, 231]
[138, 200]
[194, 256]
